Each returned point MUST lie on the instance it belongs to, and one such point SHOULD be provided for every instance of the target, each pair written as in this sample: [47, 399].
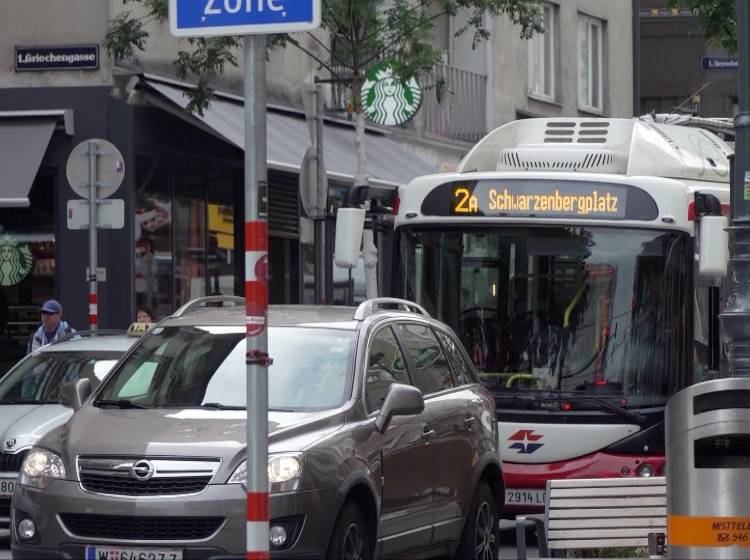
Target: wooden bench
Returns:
[611, 513]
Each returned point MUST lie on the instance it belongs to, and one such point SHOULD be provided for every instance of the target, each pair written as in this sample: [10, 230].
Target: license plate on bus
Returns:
[7, 487]
[524, 497]
[117, 553]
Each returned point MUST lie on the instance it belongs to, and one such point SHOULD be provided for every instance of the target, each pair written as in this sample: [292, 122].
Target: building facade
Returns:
[681, 71]
[182, 189]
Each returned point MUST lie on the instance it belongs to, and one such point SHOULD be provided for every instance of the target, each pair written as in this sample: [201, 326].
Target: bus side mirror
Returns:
[350, 223]
[713, 250]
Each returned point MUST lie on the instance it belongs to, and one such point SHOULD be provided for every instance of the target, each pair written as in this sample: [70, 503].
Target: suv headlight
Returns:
[284, 472]
[41, 467]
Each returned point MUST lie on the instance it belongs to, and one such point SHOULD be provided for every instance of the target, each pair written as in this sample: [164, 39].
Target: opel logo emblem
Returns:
[10, 443]
[142, 470]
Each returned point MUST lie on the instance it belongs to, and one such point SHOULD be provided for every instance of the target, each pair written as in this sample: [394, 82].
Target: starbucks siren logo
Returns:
[387, 100]
[16, 261]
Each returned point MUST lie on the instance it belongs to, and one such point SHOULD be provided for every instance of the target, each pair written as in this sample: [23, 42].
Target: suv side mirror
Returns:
[402, 400]
[74, 394]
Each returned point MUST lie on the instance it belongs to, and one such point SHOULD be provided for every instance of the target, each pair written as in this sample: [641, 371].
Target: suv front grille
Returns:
[153, 487]
[12, 462]
[129, 476]
[140, 528]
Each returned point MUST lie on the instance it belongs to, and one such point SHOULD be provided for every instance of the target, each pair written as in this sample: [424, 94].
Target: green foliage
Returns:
[717, 20]
[610, 553]
[363, 32]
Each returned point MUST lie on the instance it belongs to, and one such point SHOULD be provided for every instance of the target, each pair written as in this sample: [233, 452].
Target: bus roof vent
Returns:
[549, 159]
[579, 132]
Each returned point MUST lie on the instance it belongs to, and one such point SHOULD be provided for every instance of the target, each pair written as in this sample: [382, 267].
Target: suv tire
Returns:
[480, 539]
[350, 539]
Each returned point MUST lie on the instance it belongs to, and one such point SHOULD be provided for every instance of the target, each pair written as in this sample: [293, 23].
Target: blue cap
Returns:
[51, 306]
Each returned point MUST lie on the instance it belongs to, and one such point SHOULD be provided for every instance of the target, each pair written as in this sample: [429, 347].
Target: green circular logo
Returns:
[387, 100]
[16, 261]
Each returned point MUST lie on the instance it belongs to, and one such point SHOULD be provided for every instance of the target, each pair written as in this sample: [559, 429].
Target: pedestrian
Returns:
[52, 327]
[144, 315]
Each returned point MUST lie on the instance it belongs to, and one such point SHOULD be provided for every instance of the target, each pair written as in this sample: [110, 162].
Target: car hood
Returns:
[22, 425]
[185, 433]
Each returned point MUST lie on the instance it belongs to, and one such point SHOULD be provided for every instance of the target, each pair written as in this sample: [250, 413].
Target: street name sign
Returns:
[202, 18]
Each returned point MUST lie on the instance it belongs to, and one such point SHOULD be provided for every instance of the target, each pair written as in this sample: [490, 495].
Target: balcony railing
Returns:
[454, 103]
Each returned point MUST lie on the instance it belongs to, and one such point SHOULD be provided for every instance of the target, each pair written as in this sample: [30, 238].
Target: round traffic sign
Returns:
[110, 167]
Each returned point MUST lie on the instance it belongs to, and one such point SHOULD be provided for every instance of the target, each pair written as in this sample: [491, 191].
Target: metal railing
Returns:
[455, 104]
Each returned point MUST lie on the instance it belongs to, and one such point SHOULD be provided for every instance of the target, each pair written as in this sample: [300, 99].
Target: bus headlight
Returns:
[40, 468]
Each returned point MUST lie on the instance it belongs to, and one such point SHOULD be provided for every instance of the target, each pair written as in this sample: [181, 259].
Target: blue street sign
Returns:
[192, 18]
[718, 63]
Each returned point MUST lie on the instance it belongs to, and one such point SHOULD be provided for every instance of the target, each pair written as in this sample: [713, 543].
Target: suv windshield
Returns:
[559, 310]
[204, 367]
[40, 378]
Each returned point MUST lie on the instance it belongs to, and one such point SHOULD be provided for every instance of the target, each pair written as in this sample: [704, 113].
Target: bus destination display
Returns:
[540, 198]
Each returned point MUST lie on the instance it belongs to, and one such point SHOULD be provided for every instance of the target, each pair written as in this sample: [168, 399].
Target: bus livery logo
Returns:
[524, 441]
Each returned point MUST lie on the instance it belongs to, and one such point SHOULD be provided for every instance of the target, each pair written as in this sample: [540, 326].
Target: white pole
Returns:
[93, 179]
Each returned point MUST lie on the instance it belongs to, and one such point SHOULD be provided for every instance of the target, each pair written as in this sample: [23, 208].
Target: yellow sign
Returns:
[683, 530]
[139, 329]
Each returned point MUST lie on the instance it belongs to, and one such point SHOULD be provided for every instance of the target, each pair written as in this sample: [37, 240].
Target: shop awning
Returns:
[390, 163]
[24, 137]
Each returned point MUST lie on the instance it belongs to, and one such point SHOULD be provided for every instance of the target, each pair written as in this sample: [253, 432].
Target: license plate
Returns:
[112, 553]
[524, 496]
[7, 487]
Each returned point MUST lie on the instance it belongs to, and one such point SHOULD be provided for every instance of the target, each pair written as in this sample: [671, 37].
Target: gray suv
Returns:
[382, 442]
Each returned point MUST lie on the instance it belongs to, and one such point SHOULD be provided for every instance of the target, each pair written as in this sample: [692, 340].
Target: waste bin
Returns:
[708, 471]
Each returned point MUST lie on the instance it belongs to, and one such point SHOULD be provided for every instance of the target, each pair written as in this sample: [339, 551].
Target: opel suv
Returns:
[382, 442]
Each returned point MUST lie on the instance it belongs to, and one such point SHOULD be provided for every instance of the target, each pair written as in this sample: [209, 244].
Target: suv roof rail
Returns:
[88, 333]
[367, 308]
[206, 301]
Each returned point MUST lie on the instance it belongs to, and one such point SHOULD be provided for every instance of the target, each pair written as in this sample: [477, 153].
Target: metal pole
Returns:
[320, 223]
[735, 319]
[256, 297]
[636, 6]
[93, 179]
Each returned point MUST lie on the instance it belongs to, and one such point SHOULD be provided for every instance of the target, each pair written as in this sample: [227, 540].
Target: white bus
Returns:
[564, 254]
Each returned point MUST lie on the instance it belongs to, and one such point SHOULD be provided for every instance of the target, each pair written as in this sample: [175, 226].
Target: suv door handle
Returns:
[428, 434]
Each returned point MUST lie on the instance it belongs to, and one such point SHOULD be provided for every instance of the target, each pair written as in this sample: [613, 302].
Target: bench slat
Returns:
[602, 523]
[608, 512]
[597, 543]
[606, 492]
[607, 482]
[610, 533]
[567, 503]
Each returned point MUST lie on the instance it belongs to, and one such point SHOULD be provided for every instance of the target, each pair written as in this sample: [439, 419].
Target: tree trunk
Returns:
[369, 250]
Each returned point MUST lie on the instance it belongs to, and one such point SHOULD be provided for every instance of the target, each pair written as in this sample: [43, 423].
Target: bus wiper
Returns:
[636, 417]
[120, 403]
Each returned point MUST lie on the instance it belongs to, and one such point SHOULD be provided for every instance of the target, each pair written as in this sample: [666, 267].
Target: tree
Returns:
[717, 20]
[362, 32]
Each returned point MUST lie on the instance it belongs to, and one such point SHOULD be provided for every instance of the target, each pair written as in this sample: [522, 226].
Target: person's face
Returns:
[50, 320]
[143, 317]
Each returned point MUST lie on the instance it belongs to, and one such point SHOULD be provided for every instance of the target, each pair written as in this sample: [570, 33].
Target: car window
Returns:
[461, 368]
[204, 366]
[385, 366]
[40, 377]
[431, 370]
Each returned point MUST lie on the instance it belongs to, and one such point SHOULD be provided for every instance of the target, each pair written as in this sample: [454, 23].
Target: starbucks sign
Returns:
[16, 261]
[387, 100]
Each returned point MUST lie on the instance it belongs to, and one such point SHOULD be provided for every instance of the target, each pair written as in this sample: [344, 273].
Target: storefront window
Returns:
[221, 231]
[153, 235]
[190, 232]
[27, 267]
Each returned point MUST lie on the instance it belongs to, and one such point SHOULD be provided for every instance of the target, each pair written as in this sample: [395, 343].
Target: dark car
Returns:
[382, 442]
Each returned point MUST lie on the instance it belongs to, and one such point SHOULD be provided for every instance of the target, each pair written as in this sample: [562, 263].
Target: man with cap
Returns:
[52, 328]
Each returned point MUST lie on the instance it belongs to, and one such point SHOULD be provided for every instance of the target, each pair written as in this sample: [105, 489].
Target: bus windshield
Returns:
[579, 311]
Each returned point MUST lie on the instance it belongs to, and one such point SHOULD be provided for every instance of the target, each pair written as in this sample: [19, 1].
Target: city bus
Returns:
[565, 254]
